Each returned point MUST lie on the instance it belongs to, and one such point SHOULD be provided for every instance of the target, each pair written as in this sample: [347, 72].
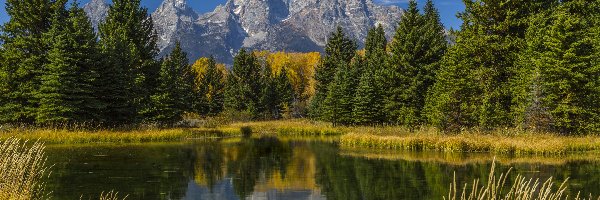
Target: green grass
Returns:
[502, 141]
[59, 136]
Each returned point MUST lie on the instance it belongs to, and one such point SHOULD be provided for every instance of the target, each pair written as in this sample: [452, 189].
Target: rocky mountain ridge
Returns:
[275, 25]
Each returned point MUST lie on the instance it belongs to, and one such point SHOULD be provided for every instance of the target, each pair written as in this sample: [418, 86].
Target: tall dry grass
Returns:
[521, 189]
[531, 144]
[112, 195]
[22, 169]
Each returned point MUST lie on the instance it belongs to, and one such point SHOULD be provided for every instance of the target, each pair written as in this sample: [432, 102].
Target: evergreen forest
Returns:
[532, 65]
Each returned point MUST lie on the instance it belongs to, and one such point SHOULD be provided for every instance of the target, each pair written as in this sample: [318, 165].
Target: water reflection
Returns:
[269, 168]
[256, 168]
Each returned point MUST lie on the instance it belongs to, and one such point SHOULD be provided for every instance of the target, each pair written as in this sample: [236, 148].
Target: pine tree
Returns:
[232, 100]
[23, 57]
[340, 97]
[67, 92]
[375, 42]
[367, 103]
[285, 91]
[375, 68]
[176, 85]
[408, 75]
[211, 90]
[450, 103]
[244, 84]
[435, 33]
[128, 43]
[339, 51]
[269, 105]
[334, 106]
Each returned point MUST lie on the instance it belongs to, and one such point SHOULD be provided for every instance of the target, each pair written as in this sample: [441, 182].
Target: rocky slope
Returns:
[290, 25]
[96, 11]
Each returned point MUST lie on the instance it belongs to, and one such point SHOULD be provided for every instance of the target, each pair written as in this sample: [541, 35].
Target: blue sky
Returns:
[448, 8]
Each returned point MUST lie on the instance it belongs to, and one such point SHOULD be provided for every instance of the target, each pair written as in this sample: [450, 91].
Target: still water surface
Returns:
[271, 168]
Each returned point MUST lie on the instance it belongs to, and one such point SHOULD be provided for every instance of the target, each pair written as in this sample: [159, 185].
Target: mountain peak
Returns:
[275, 25]
[170, 18]
[96, 10]
[177, 4]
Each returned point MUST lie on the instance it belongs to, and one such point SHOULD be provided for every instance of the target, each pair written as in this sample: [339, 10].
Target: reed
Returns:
[531, 144]
[521, 189]
[63, 136]
[22, 169]
[112, 195]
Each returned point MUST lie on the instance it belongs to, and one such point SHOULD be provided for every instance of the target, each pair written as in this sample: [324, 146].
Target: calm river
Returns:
[270, 168]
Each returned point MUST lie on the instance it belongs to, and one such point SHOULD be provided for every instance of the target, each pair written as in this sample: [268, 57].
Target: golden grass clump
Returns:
[63, 136]
[521, 189]
[538, 144]
[112, 195]
[22, 168]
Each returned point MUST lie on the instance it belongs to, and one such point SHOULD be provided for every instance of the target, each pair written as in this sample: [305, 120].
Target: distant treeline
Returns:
[525, 64]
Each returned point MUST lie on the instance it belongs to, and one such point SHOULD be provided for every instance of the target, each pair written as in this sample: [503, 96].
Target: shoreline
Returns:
[511, 142]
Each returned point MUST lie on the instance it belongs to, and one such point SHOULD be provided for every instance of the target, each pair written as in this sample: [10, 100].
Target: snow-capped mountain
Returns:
[290, 25]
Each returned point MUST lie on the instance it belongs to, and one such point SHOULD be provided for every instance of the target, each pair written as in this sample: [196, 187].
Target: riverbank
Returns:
[289, 128]
[530, 144]
[504, 141]
[60, 136]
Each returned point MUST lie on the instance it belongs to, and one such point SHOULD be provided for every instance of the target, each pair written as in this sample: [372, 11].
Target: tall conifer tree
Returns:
[24, 54]
[375, 42]
[336, 109]
[369, 101]
[128, 43]
[285, 92]
[339, 51]
[174, 94]
[67, 92]
[211, 90]
[244, 84]
[418, 46]
[339, 103]
[269, 105]
[368, 104]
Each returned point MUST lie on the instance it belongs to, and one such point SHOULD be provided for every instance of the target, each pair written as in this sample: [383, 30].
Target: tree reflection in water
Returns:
[276, 169]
